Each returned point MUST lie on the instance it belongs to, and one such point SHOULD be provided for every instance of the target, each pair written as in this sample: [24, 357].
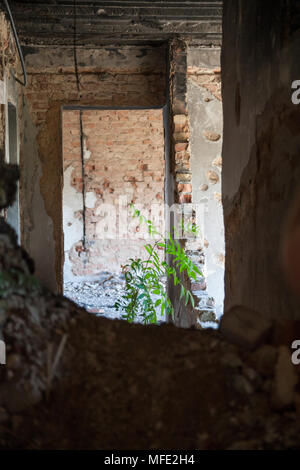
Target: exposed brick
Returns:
[116, 165]
[212, 136]
[180, 131]
[184, 188]
[181, 136]
[179, 147]
[183, 177]
[185, 198]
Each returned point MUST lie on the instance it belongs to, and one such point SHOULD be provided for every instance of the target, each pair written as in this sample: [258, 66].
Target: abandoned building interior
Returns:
[114, 114]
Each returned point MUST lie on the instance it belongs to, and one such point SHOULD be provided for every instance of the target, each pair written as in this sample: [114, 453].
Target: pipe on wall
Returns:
[18, 45]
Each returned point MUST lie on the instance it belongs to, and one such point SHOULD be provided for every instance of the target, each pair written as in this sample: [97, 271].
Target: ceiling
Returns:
[113, 22]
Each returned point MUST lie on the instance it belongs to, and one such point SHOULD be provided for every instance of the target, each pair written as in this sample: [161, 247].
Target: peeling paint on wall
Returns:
[123, 158]
[124, 77]
[205, 111]
[37, 226]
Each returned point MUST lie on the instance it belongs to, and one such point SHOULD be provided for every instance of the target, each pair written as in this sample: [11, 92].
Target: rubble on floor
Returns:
[97, 296]
[245, 327]
[33, 322]
[131, 386]
[127, 386]
[76, 381]
[206, 313]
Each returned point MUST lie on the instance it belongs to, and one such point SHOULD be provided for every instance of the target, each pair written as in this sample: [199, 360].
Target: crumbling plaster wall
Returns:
[111, 76]
[86, 383]
[7, 62]
[123, 153]
[206, 122]
[261, 149]
[195, 136]
[9, 89]
[10, 96]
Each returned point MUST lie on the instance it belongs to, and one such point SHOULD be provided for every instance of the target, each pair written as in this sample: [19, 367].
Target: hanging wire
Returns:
[83, 182]
[24, 83]
[81, 129]
[75, 46]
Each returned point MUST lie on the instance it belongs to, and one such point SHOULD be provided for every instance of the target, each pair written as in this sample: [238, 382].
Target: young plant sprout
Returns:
[145, 295]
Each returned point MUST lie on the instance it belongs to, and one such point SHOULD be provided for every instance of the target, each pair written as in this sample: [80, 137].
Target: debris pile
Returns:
[131, 386]
[97, 296]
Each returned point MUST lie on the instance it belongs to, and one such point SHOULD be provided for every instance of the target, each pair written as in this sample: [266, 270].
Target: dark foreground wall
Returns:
[76, 381]
[261, 149]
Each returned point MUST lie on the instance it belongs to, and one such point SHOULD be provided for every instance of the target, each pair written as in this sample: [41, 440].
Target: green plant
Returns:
[145, 293]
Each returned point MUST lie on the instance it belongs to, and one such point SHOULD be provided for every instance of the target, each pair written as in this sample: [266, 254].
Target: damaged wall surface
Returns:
[260, 150]
[201, 391]
[196, 109]
[8, 60]
[123, 163]
[132, 76]
[108, 22]
[205, 112]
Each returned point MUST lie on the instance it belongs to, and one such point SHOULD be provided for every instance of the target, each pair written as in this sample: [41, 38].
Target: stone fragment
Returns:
[252, 376]
[285, 380]
[218, 198]
[212, 136]
[212, 176]
[183, 177]
[180, 122]
[200, 285]
[13, 361]
[184, 188]
[297, 403]
[181, 146]
[245, 327]
[17, 399]
[185, 198]
[242, 385]
[231, 360]
[182, 166]
[266, 386]
[182, 136]
[217, 162]
[251, 444]
[220, 259]
[207, 316]
[264, 359]
[271, 431]
[286, 331]
[3, 415]
[211, 302]
[204, 187]
[16, 422]
[9, 177]
[202, 440]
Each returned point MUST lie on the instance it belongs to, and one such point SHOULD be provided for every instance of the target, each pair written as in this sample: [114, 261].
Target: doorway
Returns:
[13, 212]
[111, 158]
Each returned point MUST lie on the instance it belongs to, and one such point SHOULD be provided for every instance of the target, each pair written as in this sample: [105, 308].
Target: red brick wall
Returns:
[109, 76]
[124, 156]
[130, 76]
[210, 79]
[112, 90]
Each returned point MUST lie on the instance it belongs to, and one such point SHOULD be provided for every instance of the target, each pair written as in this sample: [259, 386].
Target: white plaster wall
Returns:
[72, 225]
[207, 115]
[9, 94]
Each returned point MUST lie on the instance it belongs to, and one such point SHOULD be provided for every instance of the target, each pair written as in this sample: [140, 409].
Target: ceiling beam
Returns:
[117, 21]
